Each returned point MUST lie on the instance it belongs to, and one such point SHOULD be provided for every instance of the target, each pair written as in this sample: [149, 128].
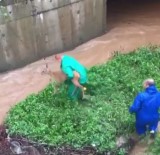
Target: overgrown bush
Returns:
[53, 119]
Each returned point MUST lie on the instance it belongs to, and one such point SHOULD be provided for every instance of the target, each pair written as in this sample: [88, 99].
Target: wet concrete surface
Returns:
[41, 28]
[129, 27]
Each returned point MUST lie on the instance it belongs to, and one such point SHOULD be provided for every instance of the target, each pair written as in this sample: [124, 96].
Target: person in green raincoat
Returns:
[76, 75]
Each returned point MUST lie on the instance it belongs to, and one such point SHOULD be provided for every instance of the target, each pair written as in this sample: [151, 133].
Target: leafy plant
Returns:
[54, 119]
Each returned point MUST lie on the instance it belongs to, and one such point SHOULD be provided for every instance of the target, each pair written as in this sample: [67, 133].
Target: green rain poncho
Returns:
[68, 65]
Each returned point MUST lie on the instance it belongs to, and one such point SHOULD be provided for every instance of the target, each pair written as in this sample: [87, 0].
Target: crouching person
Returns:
[146, 106]
[76, 75]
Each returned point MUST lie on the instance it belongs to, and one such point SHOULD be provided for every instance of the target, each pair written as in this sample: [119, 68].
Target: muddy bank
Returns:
[10, 145]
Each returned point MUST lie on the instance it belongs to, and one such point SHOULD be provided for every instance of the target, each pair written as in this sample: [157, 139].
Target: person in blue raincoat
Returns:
[76, 75]
[146, 106]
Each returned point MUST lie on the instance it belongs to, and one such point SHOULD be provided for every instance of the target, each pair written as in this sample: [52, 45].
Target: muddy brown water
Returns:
[129, 26]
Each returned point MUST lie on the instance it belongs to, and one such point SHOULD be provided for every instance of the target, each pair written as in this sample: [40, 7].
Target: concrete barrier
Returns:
[33, 29]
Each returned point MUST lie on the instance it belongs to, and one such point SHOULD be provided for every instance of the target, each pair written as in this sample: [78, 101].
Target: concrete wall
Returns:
[30, 30]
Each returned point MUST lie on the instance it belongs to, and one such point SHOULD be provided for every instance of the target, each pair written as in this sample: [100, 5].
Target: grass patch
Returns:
[55, 120]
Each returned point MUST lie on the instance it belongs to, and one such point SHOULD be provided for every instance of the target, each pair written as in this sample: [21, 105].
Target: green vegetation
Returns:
[154, 148]
[53, 119]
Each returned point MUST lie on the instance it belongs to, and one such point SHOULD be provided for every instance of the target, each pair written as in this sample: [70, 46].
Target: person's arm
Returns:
[72, 76]
[136, 104]
[76, 83]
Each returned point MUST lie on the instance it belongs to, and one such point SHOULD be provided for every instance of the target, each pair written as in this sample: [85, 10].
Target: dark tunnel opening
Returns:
[127, 12]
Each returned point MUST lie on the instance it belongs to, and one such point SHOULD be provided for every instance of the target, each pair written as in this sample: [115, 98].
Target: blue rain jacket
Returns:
[146, 105]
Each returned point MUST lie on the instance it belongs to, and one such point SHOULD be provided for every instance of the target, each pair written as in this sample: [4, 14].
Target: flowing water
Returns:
[129, 26]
